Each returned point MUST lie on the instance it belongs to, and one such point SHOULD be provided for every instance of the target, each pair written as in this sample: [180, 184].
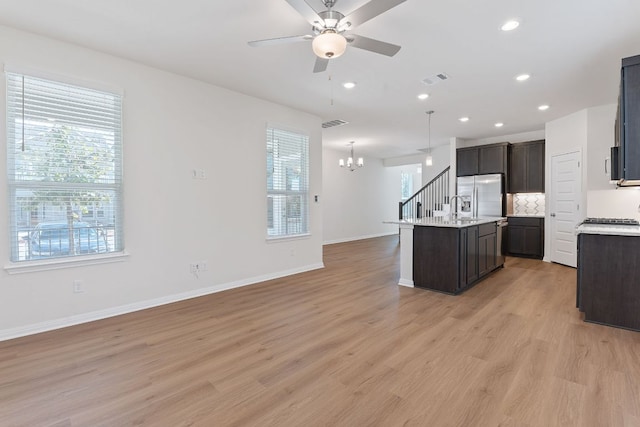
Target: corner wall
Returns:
[172, 125]
[355, 204]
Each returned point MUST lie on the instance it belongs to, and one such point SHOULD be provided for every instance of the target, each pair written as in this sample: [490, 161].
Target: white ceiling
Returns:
[571, 49]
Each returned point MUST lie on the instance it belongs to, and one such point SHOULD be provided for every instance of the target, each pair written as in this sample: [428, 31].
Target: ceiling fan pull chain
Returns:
[331, 90]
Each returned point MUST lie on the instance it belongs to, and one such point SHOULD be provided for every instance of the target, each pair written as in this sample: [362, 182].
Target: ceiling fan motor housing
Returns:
[331, 19]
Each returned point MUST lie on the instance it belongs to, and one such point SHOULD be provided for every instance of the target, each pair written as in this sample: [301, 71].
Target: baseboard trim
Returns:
[353, 239]
[406, 283]
[36, 328]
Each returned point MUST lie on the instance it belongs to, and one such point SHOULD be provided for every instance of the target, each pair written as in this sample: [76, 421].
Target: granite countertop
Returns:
[445, 221]
[614, 230]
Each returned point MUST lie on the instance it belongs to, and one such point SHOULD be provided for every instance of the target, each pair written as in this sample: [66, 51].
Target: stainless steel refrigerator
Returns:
[482, 195]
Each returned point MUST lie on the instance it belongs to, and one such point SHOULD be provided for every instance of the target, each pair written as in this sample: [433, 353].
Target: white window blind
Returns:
[64, 165]
[287, 183]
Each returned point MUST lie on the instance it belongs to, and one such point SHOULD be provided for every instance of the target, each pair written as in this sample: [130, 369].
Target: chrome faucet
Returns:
[454, 212]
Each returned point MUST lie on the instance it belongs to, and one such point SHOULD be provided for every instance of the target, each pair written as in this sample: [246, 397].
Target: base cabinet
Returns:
[525, 237]
[470, 248]
[608, 288]
[450, 260]
[486, 254]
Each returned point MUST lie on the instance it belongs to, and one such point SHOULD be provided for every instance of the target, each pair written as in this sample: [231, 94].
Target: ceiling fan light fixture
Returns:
[329, 44]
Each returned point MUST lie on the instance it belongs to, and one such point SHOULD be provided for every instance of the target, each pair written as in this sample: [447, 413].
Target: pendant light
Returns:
[429, 160]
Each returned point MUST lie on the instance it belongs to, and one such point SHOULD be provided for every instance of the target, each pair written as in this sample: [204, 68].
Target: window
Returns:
[406, 182]
[64, 164]
[287, 183]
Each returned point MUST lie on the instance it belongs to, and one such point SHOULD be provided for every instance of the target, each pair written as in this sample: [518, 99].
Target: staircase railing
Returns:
[429, 198]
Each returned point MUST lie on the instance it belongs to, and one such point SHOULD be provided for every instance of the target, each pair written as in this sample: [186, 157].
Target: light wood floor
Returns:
[343, 346]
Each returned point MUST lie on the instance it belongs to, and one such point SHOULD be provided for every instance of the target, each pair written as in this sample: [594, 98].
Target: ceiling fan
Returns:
[329, 27]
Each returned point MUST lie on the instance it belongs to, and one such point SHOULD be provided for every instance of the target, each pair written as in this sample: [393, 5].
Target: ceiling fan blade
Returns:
[307, 12]
[373, 45]
[368, 11]
[320, 65]
[280, 40]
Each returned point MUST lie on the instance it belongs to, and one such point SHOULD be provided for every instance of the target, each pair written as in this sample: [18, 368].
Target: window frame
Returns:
[19, 262]
[279, 165]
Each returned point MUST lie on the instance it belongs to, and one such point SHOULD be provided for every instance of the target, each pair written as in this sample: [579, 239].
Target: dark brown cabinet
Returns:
[467, 161]
[486, 248]
[449, 259]
[629, 119]
[525, 237]
[493, 158]
[527, 167]
[470, 247]
[608, 288]
[484, 159]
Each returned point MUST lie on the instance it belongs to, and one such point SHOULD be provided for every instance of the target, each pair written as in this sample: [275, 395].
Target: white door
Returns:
[566, 194]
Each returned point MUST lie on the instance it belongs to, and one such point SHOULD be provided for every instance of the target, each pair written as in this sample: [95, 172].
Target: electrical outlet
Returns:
[78, 287]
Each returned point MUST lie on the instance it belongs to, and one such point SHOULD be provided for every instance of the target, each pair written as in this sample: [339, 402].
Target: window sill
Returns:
[276, 239]
[80, 261]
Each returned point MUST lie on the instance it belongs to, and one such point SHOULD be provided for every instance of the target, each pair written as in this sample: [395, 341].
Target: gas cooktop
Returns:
[612, 221]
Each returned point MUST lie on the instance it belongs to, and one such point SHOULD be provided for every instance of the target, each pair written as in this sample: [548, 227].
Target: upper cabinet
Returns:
[484, 159]
[467, 161]
[527, 167]
[629, 121]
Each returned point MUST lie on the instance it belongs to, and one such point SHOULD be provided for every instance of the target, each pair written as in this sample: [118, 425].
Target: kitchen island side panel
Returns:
[435, 258]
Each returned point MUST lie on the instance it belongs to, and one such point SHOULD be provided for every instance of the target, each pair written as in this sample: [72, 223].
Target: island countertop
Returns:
[445, 221]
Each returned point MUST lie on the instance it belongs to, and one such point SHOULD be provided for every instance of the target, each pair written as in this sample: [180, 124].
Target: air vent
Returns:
[435, 79]
[333, 123]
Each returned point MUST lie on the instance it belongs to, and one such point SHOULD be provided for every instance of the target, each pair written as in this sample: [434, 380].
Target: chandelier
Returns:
[350, 164]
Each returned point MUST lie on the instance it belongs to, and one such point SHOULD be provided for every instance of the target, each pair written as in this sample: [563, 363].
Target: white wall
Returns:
[441, 159]
[513, 138]
[172, 125]
[603, 199]
[591, 131]
[356, 203]
[565, 135]
[600, 139]
[620, 203]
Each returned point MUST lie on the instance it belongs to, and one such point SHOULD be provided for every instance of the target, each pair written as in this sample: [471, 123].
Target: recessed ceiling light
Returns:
[423, 96]
[499, 124]
[464, 119]
[349, 85]
[543, 107]
[523, 77]
[510, 25]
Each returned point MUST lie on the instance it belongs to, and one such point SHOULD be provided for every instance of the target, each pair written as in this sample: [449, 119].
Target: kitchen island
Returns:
[448, 254]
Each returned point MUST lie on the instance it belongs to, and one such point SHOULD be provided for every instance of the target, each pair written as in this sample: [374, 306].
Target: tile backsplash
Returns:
[528, 204]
